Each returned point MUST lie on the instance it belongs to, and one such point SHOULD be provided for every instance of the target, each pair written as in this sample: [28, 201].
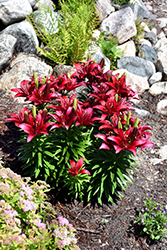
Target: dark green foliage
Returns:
[38, 157]
[110, 170]
[47, 157]
[69, 145]
[76, 26]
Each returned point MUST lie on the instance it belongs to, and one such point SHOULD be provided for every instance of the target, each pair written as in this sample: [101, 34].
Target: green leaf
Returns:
[37, 171]
[99, 200]
[47, 171]
[112, 175]
[48, 153]
[40, 159]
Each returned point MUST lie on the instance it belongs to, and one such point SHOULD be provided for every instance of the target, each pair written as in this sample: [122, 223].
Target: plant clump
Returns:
[96, 128]
[153, 218]
[77, 20]
[27, 219]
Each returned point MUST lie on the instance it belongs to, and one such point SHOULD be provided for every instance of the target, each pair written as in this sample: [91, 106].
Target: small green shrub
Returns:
[153, 218]
[109, 48]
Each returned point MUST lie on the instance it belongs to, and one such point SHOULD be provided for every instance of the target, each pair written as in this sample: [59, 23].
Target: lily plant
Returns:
[66, 128]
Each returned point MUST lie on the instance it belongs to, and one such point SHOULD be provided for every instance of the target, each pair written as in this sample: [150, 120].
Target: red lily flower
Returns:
[106, 144]
[130, 139]
[111, 106]
[87, 70]
[100, 91]
[43, 95]
[119, 87]
[84, 116]
[36, 126]
[64, 118]
[25, 89]
[18, 118]
[76, 168]
[65, 112]
[64, 82]
[65, 103]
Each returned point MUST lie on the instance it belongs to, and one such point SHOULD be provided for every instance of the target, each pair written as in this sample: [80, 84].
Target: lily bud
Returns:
[125, 118]
[89, 57]
[26, 118]
[136, 122]
[119, 124]
[34, 111]
[109, 77]
[43, 81]
[36, 80]
[102, 62]
[75, 104]
[129, 115]
[44, 114]
[116, 97]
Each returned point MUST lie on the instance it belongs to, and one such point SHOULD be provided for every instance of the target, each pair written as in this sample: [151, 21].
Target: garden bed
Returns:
[110, 226]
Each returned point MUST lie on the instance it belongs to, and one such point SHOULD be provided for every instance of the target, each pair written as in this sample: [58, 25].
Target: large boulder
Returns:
[7, 44]
[22, 68]
[26, 37]
[120, 24]
[14, 10]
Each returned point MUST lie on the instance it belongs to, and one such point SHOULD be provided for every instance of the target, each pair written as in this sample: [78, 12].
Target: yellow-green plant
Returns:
[140, 30]
[78, 19]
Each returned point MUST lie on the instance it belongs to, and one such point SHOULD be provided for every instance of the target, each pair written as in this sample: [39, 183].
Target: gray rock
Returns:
[147, 14]
[98, 56]
[163, 22]
[157, 77]
[32, 2]
[163, 151]
[121, 24]
[137, 10]
[22, 68]
[161, 64]
[158, 88]
[7, 44]
[128, 48]
[137, 66]
[145, 41]
[25, 35]
[142, 112]
[63, 69]
[104, 8]
[155, 161]
[162, 41]
[14, 11]
[147, 53]
[152, 37]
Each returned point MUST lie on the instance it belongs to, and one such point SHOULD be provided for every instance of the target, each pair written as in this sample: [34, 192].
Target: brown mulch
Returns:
[112, 225]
